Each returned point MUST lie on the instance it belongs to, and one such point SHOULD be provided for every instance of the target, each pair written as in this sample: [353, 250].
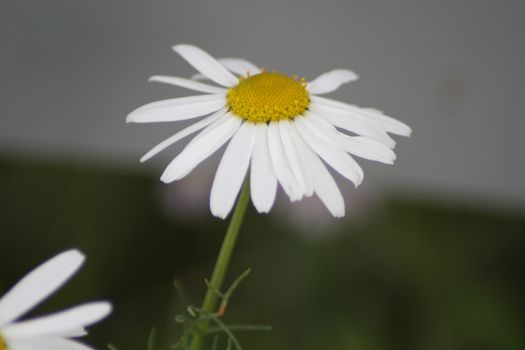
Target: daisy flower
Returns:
[51, 332]
[276, 125]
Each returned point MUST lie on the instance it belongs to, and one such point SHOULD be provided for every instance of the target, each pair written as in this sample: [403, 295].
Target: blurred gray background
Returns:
[453, 70]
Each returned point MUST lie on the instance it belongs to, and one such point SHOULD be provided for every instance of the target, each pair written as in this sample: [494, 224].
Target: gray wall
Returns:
[453, 70]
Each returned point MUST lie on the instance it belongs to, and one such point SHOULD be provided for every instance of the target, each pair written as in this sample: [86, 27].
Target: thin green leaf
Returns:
[241, 327]
[236, 283]
[181, 294]
[215, 343]
[178, 345]
[192, 311]
[213, 289]
[226, 330]
[152, 337]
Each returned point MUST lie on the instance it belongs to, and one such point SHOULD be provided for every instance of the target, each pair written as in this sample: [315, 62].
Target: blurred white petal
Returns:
[38, 285]
[47, 343]
[59, 323]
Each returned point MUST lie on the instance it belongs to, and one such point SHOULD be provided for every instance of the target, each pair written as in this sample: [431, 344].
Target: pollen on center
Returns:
[268, 96]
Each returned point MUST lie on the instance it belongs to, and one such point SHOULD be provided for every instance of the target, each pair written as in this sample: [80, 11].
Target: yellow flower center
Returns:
[3, 345]
[267, 97]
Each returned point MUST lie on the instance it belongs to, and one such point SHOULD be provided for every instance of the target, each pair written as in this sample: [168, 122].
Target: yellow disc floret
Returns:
[267, 97]
[3, 346]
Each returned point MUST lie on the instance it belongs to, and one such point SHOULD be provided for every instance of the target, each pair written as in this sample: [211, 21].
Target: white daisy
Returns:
[276, 125]
[51, 332]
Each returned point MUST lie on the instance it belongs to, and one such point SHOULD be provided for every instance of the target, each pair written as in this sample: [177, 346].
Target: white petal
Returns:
[352, 122]
[153, 106]
[367, 148]
[198, 76]
[324, 185]
[330, 134]
[38, 285]
[183, 133]
[75, 333]
[232, 170]
[328, 150]
[302, 150]
[331, 81]
[188, 83]
[294, 158]
[21, 344]
[390, 124]
[357, 145]
[197, 151]
[280, 164]
[206, 64]
[238, 66]
[46, 343]
[59, 323]
[204, 132]
[177, 109]
[263, 183]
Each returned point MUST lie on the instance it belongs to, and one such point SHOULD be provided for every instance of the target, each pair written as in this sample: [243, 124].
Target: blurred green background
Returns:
[411, 274]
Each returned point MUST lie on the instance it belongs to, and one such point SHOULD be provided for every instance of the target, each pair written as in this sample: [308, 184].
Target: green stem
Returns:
[221, 266]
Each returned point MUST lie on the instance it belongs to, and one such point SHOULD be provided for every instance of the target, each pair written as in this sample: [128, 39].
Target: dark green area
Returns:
[411, 276]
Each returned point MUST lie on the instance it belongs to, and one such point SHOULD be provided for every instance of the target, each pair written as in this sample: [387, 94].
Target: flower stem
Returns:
[221, 266]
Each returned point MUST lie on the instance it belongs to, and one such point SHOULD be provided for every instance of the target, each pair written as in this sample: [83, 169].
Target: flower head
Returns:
[276, 125]
[53, 331]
